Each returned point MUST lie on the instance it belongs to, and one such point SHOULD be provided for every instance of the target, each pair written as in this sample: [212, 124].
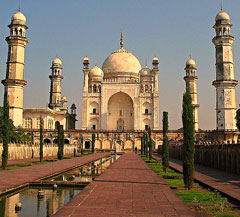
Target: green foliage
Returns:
[5, 131]
[142, 145]
[238, 119]
[205, 197]
[41, 139]
[188, 141]
[176, 182]
[203, 201]
[60, 139]
[157, 167]
[17, 135]
[146, 144]
[81, 141]
[93, 142]
[150, 143]
[165, 152]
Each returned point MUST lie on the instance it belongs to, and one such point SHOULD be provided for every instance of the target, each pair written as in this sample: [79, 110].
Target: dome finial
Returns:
[96, 63]
[121, 40]
[190, 56]
[221, 7]
[19, 8]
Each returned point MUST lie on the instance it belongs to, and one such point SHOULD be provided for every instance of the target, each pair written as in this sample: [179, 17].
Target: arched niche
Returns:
[120, 109]
[106, 144]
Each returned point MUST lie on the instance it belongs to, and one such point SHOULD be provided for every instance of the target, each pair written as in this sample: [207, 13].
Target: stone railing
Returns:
[23, 151]
[219, 156]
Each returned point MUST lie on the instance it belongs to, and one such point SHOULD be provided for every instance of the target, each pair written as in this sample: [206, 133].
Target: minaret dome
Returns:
[222, 15]
[191, 63]
[19, 18]
[57, 61]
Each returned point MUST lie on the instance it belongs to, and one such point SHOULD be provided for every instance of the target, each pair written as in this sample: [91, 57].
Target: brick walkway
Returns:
[226, 183]
[127, 188]
[29, 160]
[10, 179]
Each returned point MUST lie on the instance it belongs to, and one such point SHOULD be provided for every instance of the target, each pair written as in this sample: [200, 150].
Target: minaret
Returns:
[56, 84]
[14, 82]
[191, 87]
[86, 71]
[85, 106]
[225, 82]
[155, 71]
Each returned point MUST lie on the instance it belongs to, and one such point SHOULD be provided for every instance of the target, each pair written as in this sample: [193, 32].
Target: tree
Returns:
[41, 139]
[149, 144]
[165, 153]
[146, 144]
[238, 119]
[93, 142]
[81, 141]
[60, 139]
[5, 131]
[142, 141]
[188, 141]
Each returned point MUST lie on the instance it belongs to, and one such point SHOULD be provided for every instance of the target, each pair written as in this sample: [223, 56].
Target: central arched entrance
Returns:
[120, 112]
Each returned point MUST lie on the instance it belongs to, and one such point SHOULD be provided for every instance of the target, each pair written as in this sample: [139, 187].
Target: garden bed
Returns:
[202, 201]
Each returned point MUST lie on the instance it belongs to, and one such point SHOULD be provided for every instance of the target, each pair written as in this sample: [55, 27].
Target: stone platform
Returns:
[127, 188]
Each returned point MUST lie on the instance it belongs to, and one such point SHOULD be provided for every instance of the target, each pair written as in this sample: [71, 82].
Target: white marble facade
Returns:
[121, 95]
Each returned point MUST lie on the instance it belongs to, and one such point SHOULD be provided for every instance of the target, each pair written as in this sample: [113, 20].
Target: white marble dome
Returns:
[121, 62]
[57, 61]
[19, 18]
[95, 72]
[145, 71]
[222, 16]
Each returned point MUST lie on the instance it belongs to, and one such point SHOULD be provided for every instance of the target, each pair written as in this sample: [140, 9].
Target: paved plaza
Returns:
[127, 188]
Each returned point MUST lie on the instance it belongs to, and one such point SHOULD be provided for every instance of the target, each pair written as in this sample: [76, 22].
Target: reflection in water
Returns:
[32, 206]
[87, 172]
[53, 200]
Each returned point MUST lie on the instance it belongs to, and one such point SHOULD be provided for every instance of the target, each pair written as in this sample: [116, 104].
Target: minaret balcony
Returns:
[17, 38]
[229, 82]
[14, 82]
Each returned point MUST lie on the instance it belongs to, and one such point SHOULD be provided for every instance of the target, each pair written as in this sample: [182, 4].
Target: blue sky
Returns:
[169, 29]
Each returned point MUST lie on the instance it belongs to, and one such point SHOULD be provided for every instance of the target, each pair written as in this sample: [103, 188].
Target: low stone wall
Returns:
[223, 157]
[23, 151]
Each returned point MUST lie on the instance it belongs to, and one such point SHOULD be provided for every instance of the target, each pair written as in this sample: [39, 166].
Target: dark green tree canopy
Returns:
[238, 119]
[188, 141]
[15, 134]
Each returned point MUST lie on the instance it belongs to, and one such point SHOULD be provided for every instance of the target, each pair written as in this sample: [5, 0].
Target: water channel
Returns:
[41, 201]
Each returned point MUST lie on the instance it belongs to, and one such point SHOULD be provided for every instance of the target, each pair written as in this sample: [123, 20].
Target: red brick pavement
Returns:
[10, 179]
[224, 182]
[29, 160]
[127, 188]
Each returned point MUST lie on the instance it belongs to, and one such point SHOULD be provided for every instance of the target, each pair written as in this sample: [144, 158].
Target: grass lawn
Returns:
[200, 199]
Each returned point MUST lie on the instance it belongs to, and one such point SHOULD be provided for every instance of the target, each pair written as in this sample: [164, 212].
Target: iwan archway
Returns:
[120, 112]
